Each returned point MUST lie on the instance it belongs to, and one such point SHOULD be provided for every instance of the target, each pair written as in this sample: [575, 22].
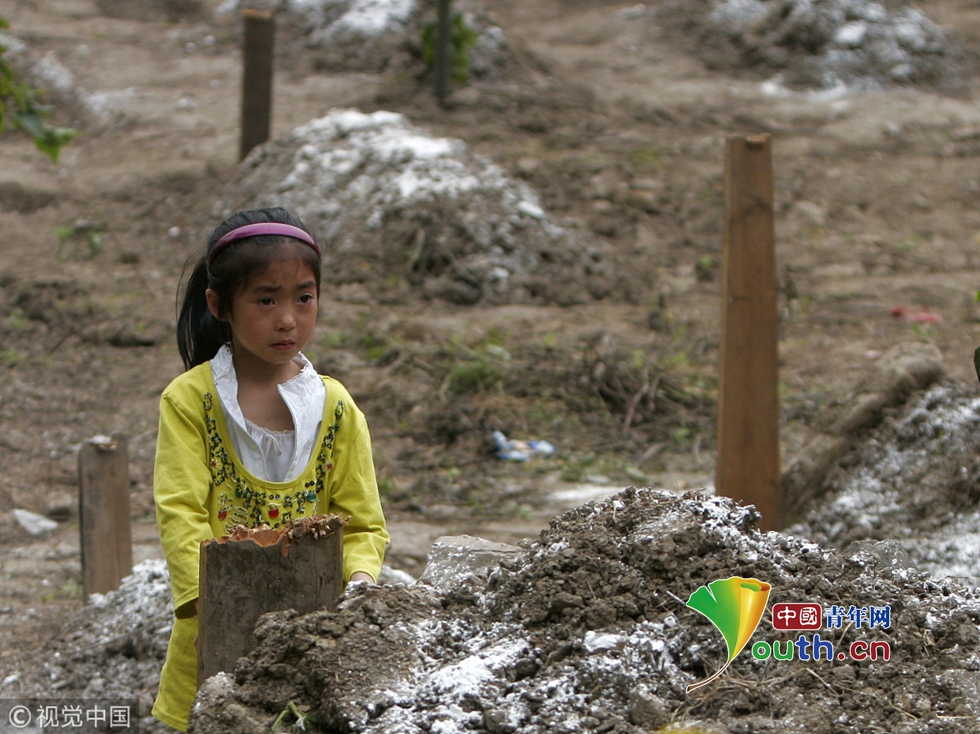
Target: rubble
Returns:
[588, 630]
[914, 481]
[374, 35]
[844, 45]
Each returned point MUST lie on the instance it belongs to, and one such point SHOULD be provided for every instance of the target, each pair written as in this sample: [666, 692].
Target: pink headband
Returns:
[254, 230]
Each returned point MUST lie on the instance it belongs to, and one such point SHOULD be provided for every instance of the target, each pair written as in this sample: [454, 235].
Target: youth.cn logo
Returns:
[735, 606]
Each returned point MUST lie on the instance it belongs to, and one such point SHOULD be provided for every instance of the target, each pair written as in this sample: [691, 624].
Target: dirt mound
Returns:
[842, 44]
[375, 35]
[113, 648]
[588, 630]
[916, 481]
[400, 211]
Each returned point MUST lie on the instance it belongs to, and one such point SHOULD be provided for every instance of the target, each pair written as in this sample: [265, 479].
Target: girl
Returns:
[250, 433]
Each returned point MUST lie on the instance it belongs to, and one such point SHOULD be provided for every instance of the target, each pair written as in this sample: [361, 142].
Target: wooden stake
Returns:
[260, 29]
[748, 404]
[103, 513]
[443, 57]
[254, 571]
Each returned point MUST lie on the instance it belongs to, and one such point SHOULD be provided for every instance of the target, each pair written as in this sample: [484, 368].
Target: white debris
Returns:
[370, 19]
[602, 641]
[37, 525]
[828, 43]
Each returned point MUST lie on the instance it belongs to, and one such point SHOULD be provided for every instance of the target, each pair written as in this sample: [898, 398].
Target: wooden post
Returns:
[103, 513]
[254, 571]
[260, 28]
[443, 56]
[748, 402]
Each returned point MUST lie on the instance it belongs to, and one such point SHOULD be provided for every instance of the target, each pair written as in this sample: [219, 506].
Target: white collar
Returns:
[304, 395]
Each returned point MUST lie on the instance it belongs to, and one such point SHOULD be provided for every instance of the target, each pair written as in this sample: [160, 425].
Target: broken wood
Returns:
[252, 571]
[106, 538]
[748, 397]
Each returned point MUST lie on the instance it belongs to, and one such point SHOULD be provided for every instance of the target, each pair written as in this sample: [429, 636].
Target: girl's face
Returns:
[273, 317]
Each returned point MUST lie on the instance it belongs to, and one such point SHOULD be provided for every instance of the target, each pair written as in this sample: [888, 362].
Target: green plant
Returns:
[72, 589]
[332, 340]
[647, 157]
[476, 374]
[18, 103]
[462, 40]
[10, 357]
[17, 321]
[78, 234]
[291, 710]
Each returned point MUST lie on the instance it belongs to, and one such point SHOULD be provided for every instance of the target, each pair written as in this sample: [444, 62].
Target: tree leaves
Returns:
[19, 105]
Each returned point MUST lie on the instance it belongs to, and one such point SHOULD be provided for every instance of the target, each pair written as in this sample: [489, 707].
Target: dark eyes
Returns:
[305, 298]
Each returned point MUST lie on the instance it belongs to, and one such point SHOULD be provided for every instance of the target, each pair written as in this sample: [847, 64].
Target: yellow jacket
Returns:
[201, 489]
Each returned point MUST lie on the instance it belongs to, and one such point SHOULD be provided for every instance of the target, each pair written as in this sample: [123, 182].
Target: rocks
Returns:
[37, 525]
[843, 44]
[454, 558]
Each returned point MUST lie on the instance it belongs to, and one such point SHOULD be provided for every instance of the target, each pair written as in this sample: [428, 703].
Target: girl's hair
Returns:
[199, 334]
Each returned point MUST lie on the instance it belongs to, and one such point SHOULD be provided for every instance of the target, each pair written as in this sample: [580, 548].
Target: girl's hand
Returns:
[361, 576]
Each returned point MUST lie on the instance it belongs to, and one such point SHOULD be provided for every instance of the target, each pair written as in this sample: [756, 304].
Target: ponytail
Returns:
[199, 334]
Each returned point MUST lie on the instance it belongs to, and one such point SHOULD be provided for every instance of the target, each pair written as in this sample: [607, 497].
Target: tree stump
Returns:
[252, 571]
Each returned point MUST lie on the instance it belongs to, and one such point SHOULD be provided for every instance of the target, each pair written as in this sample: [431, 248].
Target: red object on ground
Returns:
[925, 316]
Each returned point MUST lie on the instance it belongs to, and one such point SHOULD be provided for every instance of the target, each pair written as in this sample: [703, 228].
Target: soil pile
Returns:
[844, 44]
[588, 630]
[376, 35]
[916, 481]
[112, 649]
[400, 211]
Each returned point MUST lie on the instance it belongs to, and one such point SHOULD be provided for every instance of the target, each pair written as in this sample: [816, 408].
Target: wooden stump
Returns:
[748, 396]
[254, 571]
[103, 513]
[260, 31]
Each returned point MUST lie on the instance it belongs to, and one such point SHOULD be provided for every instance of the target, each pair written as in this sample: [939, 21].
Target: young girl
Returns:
[250, 434]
